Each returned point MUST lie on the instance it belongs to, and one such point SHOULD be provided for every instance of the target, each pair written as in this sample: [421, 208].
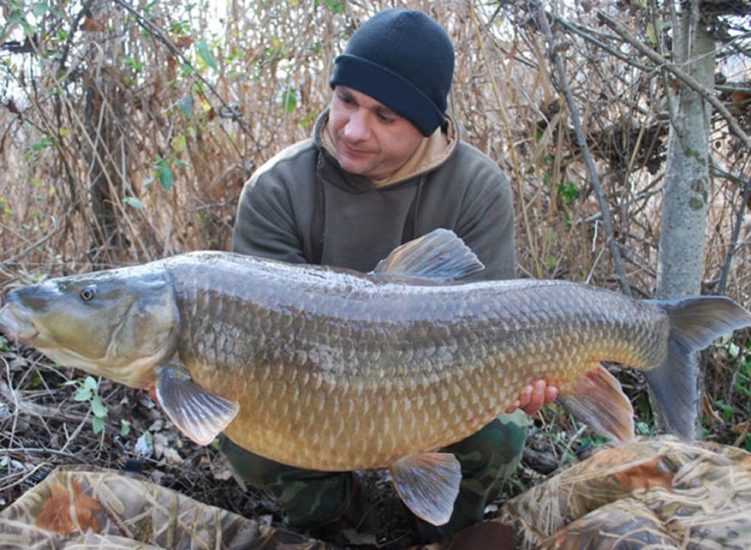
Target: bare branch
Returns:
[581, 138]
[733, 247]
[679, 73]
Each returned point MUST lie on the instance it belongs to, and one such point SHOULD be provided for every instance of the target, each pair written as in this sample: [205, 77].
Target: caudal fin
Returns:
[694, 324]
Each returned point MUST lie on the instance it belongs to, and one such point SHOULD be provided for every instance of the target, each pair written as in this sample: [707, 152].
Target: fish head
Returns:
[118, 323]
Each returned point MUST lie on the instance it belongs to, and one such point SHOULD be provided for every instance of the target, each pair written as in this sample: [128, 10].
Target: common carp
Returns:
[331, 369]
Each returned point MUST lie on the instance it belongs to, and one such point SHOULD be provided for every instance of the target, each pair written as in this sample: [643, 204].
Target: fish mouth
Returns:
[15, 325]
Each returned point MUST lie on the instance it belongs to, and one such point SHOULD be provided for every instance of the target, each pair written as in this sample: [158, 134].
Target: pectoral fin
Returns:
[199, 414]
[428, 483]
[598, 400]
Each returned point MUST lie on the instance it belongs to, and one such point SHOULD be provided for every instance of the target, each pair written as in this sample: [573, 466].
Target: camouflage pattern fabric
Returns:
[101, 509]
[313, 499]
[659, 493]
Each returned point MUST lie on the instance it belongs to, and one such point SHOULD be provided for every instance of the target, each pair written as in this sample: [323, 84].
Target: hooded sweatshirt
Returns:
[302, 207]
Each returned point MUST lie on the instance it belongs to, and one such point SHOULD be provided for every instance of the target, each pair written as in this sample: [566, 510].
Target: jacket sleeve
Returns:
[486, 224]
[264, 224]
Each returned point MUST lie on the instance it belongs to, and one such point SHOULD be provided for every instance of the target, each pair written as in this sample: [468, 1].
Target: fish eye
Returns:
[88, 293]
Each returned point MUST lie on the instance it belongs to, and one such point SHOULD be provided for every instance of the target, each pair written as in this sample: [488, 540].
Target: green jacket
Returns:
[301, 207]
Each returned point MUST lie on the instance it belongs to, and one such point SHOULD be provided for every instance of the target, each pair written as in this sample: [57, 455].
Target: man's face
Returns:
[371, 140]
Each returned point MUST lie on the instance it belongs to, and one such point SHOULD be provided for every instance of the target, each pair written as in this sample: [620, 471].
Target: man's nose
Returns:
[357, 127]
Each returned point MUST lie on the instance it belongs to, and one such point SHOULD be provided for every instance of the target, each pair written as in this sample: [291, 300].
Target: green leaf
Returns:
[336, 6]
[98, 407]
[733, 350]
[125, 426]
[3, 344]
[97, 424]
[642, 428]
[205, 55]
[186, 106]
[164, 174]
[727, 411]
[178, 143]
[569, 191]
[43, 143]
[135, 202]
[289, 99]
[82, 394]
[90, 383]
[40, 8]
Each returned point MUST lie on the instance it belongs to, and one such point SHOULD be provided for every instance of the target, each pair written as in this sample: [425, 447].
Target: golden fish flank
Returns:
[330, 369]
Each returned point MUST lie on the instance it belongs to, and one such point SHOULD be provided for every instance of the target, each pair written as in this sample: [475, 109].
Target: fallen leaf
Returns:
[183, 42]
[92, 25]
[608, 458]
[55, 515]
[654, 473]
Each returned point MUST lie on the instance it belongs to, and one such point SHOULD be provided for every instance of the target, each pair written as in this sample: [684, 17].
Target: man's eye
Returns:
[88, 294]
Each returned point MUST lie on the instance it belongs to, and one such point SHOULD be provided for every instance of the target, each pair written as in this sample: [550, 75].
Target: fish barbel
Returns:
[330, 369]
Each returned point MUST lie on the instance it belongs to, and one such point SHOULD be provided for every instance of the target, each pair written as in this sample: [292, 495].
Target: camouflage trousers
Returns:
[312, 499]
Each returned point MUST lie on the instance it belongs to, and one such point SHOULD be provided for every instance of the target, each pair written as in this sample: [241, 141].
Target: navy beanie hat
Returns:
[404, 60]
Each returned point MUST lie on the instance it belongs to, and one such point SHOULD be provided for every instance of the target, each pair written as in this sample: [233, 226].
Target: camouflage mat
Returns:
[658, 493]
[76, 508]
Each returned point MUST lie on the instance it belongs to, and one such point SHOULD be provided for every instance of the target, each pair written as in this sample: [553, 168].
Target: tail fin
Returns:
[694, 324]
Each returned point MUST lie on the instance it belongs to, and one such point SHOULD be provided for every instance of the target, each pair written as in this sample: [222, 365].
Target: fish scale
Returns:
[402, 355]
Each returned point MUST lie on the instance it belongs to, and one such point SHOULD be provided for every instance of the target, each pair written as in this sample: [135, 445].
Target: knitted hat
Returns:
[404, 60]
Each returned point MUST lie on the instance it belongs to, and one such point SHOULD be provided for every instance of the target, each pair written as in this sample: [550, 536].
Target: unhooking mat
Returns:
[84, 508]
[654, 493]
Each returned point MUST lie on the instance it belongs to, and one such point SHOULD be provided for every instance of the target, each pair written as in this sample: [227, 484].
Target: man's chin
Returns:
[354, 167]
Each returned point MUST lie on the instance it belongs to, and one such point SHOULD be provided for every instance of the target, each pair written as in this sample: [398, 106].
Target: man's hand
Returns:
[534, 397]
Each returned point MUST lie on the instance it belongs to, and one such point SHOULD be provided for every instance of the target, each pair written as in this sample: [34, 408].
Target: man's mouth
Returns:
[353, 151]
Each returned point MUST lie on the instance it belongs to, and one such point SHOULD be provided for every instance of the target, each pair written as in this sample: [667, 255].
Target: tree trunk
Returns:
[680, 266]
[107, 155]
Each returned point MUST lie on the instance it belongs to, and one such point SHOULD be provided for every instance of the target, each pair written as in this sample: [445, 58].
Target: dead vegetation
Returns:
[128, 130]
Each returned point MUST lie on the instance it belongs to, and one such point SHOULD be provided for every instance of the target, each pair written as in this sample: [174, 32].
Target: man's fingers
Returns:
[525, 396]
[551, 394]
[534, 397]
[537, 399]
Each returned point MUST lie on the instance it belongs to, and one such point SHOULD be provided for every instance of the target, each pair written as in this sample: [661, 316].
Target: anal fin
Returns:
[428, 484]
[200, 414]
[597, 399]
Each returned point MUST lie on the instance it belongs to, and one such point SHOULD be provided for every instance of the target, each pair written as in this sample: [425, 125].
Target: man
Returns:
[385, 165]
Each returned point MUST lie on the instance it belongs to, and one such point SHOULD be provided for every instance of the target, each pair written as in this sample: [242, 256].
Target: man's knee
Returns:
[309, 498]
[497, 447]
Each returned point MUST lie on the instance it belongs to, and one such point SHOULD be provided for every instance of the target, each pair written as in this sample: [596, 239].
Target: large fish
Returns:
[330, 369]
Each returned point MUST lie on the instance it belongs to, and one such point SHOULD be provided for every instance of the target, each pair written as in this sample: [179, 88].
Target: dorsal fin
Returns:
[440, 255]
